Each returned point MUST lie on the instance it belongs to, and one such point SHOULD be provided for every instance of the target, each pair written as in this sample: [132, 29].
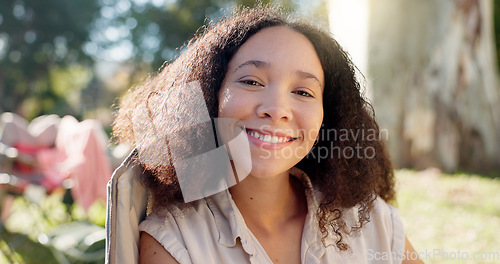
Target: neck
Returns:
[269, 202]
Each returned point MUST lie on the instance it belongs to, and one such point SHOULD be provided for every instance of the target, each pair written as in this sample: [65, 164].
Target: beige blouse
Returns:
[214, 231]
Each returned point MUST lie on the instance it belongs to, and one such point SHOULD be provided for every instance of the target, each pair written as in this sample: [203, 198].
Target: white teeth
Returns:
[268, 138]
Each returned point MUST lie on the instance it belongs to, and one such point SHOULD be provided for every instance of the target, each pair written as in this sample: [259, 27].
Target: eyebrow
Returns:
[307, 75]
[255, 63]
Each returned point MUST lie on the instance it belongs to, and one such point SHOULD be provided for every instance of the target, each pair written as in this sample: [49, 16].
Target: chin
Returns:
[269, 169]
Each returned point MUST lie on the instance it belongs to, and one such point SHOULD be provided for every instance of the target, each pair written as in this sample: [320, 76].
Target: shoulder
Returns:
[179, 228]
[386, 216]
[382, 209]
[380, 240]
[177, 218]
[384, 231]
[207, 225]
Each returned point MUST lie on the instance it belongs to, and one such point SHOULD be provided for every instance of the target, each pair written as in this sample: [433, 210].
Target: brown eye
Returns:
[251, 82]
[303, 93]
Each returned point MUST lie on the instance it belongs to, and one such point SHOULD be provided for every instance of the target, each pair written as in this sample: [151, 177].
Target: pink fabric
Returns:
[49, 161]
[80, 154]
[41, 132]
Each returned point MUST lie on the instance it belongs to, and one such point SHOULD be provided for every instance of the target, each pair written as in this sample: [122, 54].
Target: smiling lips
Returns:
[267, 138]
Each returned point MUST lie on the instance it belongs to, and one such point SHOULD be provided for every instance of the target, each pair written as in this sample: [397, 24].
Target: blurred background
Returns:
[430, 69]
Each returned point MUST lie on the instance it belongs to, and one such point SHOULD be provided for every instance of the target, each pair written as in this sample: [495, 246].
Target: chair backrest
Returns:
[126, 208]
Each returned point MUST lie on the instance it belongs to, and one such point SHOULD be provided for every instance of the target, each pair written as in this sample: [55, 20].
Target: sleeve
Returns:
[384, 234]
[166, 231]
[398, 235]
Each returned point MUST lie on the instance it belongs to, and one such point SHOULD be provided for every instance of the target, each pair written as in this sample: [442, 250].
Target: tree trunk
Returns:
[432, 73]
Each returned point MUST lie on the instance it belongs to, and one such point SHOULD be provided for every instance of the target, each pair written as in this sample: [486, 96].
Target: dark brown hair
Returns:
[345, 180]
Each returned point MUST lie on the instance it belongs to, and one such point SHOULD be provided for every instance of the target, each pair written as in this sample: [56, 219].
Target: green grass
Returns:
[441, 213]
[451, 214]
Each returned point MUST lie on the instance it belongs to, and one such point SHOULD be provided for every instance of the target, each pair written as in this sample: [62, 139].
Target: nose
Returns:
[275, 105]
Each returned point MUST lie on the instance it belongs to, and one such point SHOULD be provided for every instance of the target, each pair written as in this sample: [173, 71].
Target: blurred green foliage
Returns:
[19, 248]
[31, 232]
[50, 50]
[37, 38]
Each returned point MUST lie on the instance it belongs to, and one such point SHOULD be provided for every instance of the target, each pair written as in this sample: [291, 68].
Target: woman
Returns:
[308, 198]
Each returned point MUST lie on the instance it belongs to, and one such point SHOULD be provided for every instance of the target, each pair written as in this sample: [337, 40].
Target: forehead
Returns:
[277, 38]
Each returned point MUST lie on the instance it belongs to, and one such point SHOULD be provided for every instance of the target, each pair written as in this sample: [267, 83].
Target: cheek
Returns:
[225, 101]
[313, 122]
[230, 103]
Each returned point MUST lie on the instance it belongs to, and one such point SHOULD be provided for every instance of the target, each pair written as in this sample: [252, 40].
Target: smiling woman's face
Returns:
[274, 85]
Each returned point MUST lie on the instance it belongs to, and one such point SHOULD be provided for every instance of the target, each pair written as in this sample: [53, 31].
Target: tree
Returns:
[432, 72]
